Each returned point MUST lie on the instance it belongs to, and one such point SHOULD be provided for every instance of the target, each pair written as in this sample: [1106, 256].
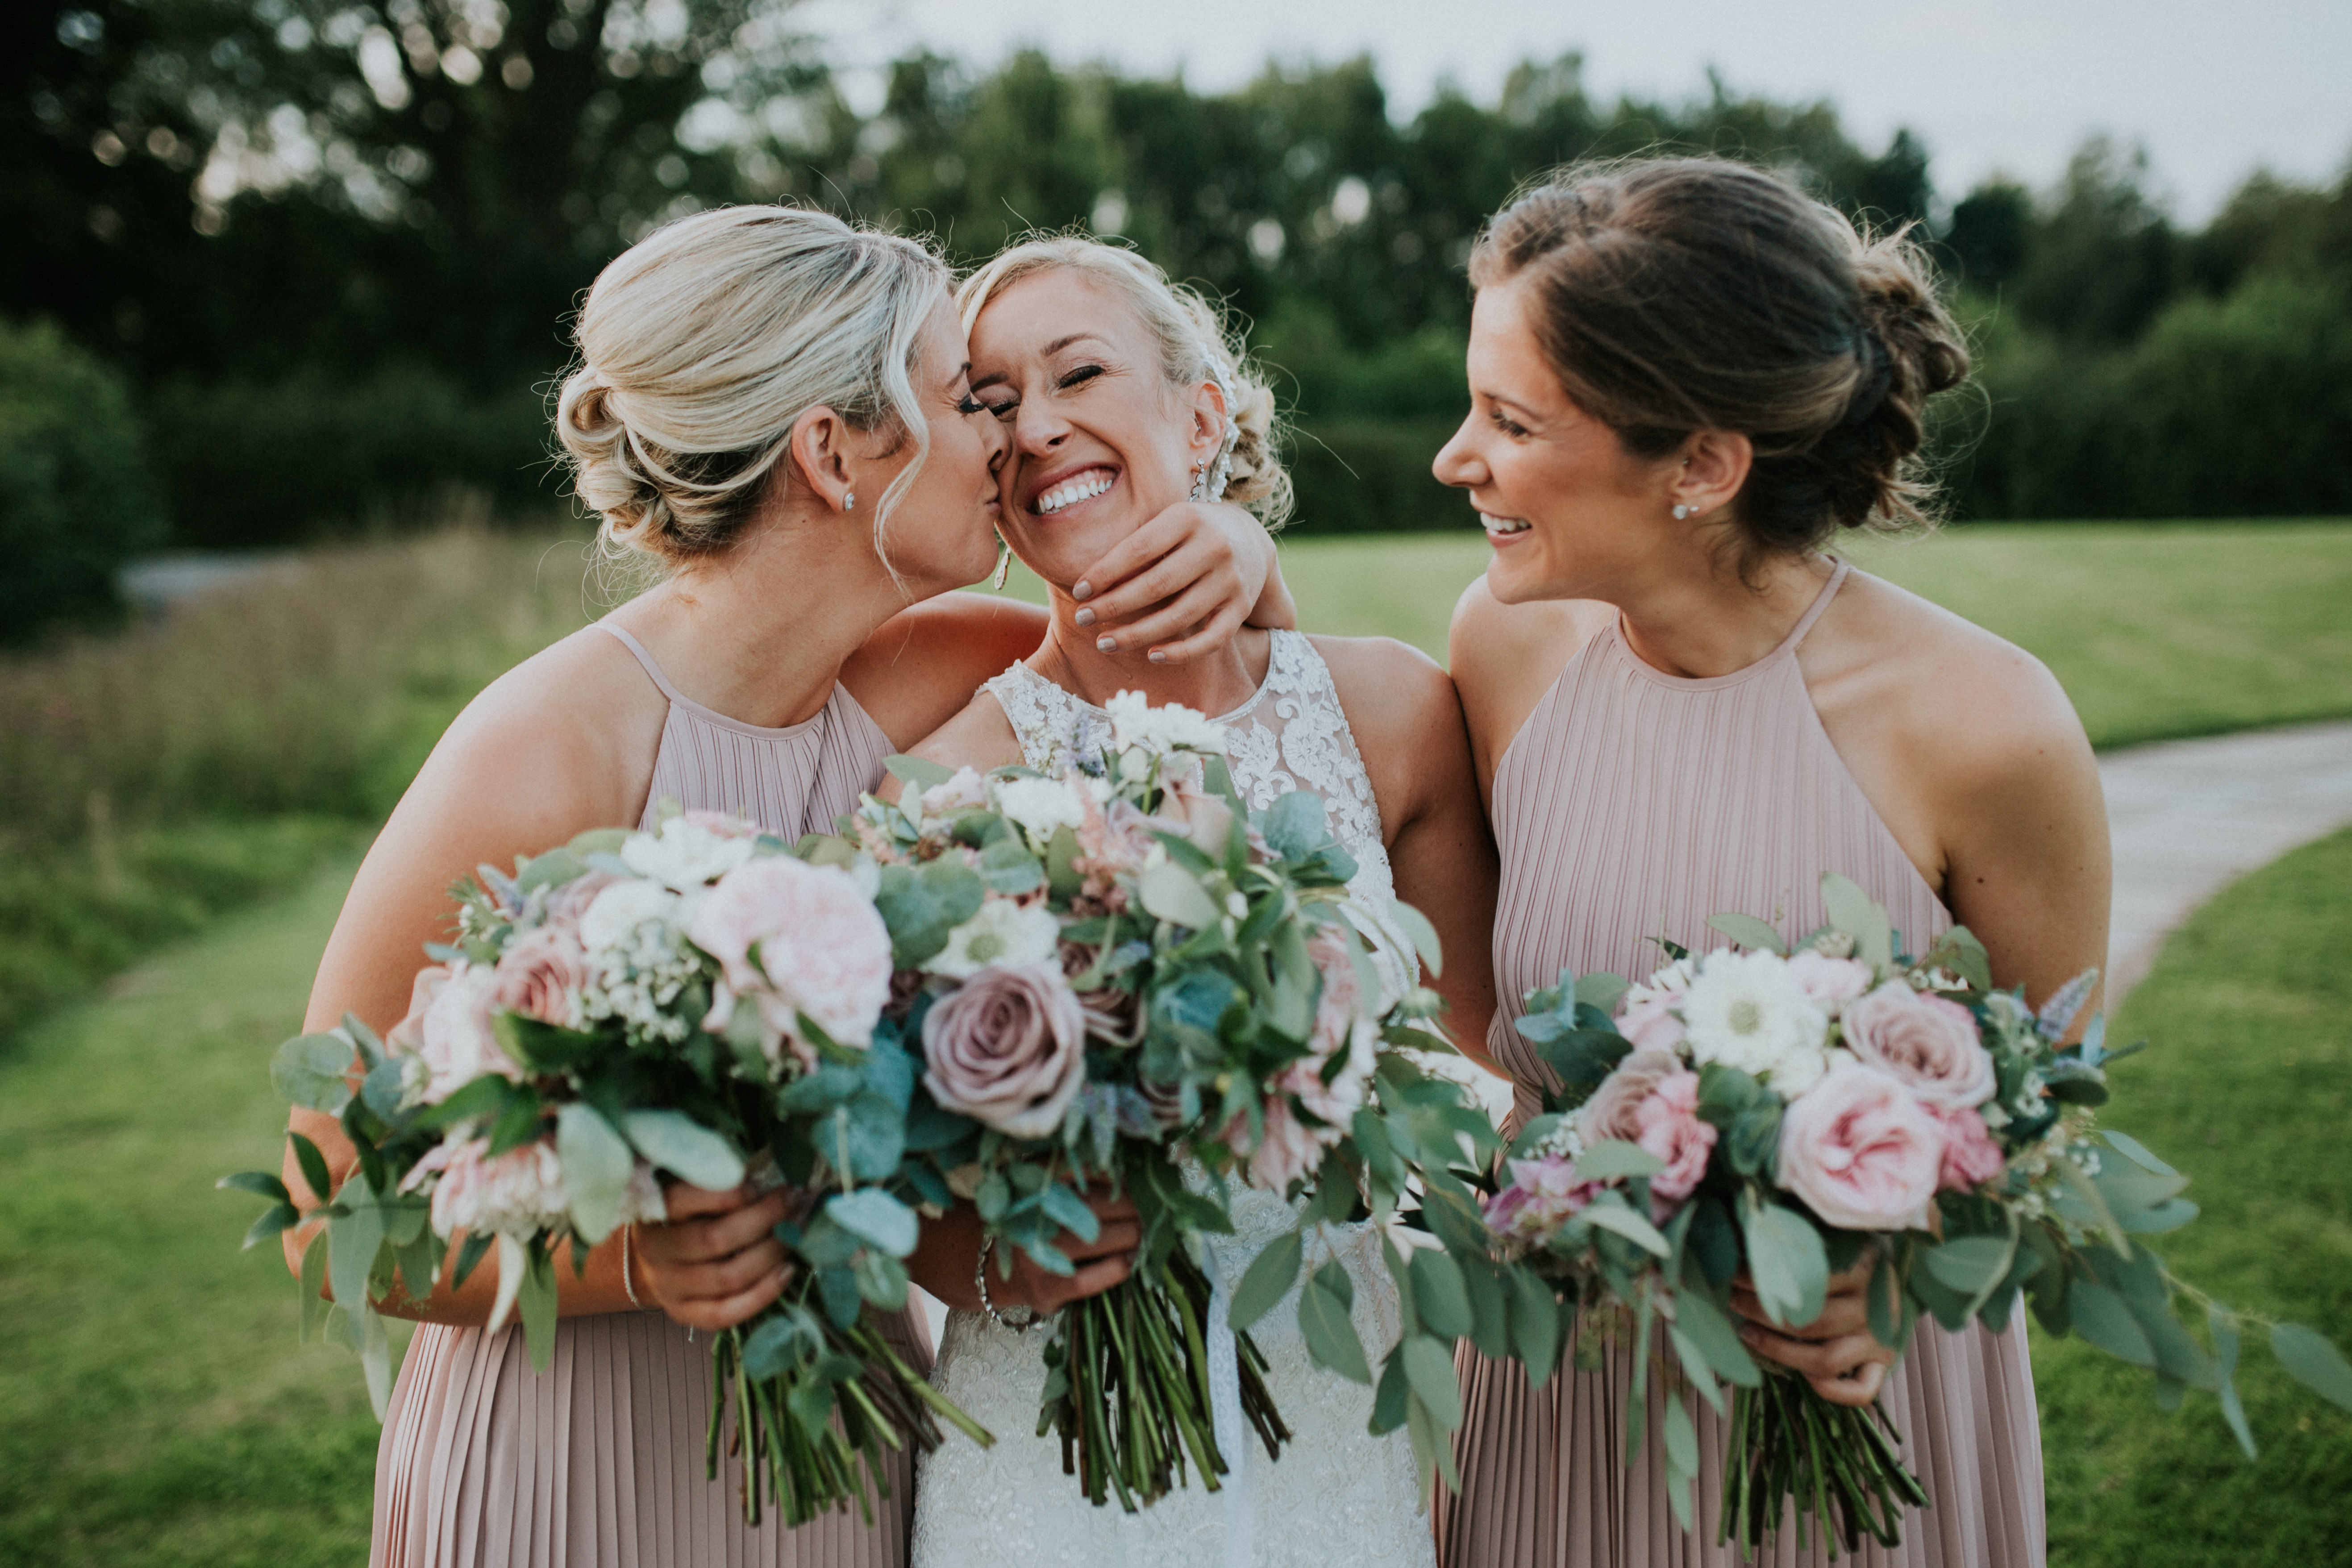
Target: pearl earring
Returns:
[1682, 511]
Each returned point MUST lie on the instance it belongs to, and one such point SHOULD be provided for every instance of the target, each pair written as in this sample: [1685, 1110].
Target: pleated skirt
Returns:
[598, 1463]
[1545, 1484]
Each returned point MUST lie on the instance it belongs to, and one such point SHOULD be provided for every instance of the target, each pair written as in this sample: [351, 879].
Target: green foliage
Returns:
[2253, 1108]
[80, 499]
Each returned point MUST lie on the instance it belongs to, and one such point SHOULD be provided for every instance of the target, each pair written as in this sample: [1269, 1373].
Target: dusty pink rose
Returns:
[541, 974]
[1862, 1151]
[1670, 1130]
[516, 1195]
[1544, 1192]
[1971, 1157]
[1610, 1112]
[1007, 1048]
[823, 950]
[1288, 1151]
[447, 1029]
[567, 903]
[1929, 1043]
[1829, 983]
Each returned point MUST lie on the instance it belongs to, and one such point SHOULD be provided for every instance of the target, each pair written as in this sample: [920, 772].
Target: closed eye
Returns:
[1506, 425]
[1084, 374]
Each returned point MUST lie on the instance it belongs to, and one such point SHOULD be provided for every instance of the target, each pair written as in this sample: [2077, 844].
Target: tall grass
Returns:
[151, 778]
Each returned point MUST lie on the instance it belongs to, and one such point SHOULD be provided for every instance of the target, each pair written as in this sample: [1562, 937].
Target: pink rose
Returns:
[1830, 983]
[1288, 1151]
[1971, 1157]
[517, 1193]
[1007, 1048]
[448, 1029]
[1862, 1151]
[1929, 1043]
[1670, 1130]
[1647, 1017]
[540, 977]
[1610, 1112]
[1544, 1192]
[568, 902]
[823, 950]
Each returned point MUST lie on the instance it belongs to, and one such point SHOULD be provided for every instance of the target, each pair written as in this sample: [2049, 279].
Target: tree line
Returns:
[327, 251]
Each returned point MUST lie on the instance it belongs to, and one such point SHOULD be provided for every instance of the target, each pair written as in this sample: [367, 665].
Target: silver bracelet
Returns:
[628, 1289]
[980, 1278]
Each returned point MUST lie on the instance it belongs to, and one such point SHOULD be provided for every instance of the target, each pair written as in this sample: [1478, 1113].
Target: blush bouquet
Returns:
[686, 1003]
[1123, 980]
[1786, 1111]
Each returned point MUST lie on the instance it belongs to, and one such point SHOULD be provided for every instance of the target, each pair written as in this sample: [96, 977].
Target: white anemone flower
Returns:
[1040, 805]
[1001, 933]
[685, 854]
[1171, 727]
[1746, 1010]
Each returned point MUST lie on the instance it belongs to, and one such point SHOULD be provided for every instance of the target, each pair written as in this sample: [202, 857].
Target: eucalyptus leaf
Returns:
[918, 773]
[1421, 933]
[1696, 1368]
[313, 1166]
[1429, 1368]
[674, 1141]
[1682, 1451]
[2132, 1149]
[375, 1359]
[1750, 932]
[1852, 911]
[1268, 1279]
[597, 1165]
[1389, 1398]
[1324, 1323]
[536, 1303]
[1599, 991]
[2101, 1317]
[877, 1218]
[1296, 825]
[1619, 1216]
[1065, 1208]
[1173, 894]
[313, 1071]
[352, 1240]
[1615, 1159]
[1699, 1319]
[1786, 1259]
[273, 1221]
[1535, 1325]
[1439, 1295]
[2224, 1330]
[261, 1184]
[1971, 1264]
[2313, 1362]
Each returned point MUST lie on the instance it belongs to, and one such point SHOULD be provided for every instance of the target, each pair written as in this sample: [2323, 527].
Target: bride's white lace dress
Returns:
[1339, 1497]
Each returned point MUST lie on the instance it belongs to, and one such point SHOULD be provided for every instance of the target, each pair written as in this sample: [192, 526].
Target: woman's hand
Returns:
[716, 1261]
[1180, 585]
[947, 1257]
[1836, 1352]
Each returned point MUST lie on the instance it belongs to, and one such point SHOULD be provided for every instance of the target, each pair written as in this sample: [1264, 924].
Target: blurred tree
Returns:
[1990, 235]
[2103, 259]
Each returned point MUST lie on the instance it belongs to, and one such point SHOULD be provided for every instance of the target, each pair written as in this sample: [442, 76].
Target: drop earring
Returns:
[1004, 564]
[1200, 482]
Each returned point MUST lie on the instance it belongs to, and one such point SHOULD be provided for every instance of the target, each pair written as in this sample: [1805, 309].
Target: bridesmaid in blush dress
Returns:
[775, 406]
[1686, 379]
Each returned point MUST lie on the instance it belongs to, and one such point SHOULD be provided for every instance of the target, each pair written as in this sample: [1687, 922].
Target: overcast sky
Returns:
[2213, 88]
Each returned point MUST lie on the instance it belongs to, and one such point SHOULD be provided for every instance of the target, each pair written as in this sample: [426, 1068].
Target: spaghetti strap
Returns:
[1804, 622]
[652, 669]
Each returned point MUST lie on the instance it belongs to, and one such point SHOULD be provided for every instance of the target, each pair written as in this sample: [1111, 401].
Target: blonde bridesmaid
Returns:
[1688, 379]
[773, 407]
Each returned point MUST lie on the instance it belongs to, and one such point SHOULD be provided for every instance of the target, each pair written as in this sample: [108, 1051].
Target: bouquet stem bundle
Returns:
[1127, 1387]
[1833, 1461]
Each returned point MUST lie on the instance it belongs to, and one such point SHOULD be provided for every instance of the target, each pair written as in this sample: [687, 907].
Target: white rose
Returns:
[1135, 722]
[1040, 805]
[1001, 933]
[622, 908]
[1747, 1011]
[963, 791]
[686, 854]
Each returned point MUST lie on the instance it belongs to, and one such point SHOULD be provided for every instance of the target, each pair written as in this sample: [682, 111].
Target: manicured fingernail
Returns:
[1082, 590]
[1084, 617]
[1107, 645]
[1158, 658]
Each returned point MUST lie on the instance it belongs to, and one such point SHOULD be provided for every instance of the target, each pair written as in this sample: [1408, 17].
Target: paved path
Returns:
[2190, 817]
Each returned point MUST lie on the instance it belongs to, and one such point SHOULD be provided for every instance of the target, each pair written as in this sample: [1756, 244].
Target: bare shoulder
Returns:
[1505, 657]
[570, 733]
[1983, 709]
[1386, 685]
[923, 665]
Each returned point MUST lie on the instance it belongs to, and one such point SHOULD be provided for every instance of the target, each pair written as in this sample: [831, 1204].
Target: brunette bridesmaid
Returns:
[1688, 379]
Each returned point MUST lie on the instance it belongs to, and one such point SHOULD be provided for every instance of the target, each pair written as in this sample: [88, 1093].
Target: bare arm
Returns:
[541, 755]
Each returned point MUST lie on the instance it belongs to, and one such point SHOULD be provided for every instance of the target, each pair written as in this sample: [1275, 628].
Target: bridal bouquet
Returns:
[1791, 1113]
[1120, 979]
[630, 1004]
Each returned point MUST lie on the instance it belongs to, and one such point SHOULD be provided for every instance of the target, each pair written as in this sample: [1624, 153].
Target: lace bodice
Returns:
[1290, 735]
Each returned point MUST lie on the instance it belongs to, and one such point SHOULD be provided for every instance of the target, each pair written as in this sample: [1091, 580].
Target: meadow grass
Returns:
[2247, 1088]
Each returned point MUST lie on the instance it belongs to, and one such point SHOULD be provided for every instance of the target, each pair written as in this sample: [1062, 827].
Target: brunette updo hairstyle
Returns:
[1674, 295]
[1198, 342]
[700, 345]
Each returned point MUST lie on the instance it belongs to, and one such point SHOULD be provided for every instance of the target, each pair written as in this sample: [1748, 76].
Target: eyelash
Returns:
[968, 404]
[1085, 372]
[1507, 425]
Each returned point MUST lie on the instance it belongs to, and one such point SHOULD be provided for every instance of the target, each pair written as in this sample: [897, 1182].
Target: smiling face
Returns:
[1569, 510]
[941, 533]
[1101, 442]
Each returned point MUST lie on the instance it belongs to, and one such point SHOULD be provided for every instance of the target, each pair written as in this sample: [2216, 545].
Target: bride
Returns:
[1122, 394]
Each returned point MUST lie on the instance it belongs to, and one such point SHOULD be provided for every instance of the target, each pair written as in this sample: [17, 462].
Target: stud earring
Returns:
[1682, 511]
[849, 500]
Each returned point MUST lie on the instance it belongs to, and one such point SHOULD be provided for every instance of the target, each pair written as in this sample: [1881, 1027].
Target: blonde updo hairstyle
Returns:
[1197, 342]
[1674, 295]
[702, 343]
